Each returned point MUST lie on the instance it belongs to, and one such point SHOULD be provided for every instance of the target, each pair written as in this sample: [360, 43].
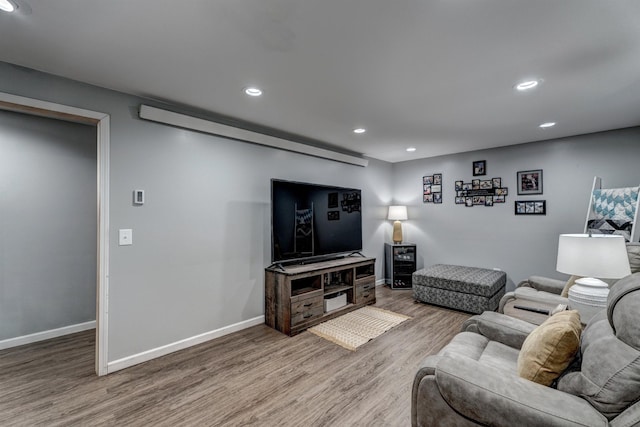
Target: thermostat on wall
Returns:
[138, 197]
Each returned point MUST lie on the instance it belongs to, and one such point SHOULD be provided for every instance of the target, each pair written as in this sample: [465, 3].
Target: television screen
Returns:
[310, 220]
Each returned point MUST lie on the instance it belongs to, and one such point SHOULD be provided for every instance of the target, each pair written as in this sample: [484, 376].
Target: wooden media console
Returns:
[297, 296]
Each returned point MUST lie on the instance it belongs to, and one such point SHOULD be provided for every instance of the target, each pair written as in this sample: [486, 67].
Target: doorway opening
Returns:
[101, 122]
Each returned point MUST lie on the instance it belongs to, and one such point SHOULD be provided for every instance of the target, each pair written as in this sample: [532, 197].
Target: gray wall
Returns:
[201, 241]
[47, 224]
[494, 236]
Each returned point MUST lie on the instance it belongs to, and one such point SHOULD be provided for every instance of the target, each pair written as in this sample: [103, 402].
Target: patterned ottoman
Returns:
[463, 288]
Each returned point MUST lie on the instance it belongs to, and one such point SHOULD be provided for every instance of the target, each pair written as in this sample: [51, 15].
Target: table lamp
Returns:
[594, 257]
[397, 214]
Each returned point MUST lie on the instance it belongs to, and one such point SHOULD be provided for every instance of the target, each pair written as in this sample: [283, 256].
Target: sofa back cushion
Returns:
[550, 348]
[609, 376]
[633, 250]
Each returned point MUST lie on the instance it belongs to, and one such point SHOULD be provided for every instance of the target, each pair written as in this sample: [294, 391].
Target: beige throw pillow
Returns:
[550, 348]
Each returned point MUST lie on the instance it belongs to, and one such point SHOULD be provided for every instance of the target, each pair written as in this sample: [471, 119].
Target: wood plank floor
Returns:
[255, 377]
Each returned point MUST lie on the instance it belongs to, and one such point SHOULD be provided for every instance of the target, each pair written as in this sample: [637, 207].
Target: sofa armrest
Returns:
[490, 396]
[629, 417]
[525, 295]
[509, 296]
[545, 284]
[426, 368]
[499, 327]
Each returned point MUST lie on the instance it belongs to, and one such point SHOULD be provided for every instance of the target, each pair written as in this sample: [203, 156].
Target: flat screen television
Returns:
[314, 221]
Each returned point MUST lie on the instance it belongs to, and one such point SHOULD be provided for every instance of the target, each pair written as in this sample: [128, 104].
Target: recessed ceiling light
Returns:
[7, 6]
[251, 91]
[526, 85]
[548, 125]
[359, 130]
[411, 149]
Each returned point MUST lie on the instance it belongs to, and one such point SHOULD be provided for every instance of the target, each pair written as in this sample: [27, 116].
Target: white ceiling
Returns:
[434, 74]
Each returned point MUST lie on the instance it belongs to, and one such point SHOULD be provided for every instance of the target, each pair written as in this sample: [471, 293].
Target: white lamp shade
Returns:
[397, 213]
[602, 256]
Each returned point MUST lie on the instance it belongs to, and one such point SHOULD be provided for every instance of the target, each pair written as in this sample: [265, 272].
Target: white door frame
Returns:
[101, 121]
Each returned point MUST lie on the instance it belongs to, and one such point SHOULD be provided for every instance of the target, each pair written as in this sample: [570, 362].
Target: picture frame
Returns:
[479, 167]
[332, 200]
[529, 182]
[486, 184]
[432, 188]
[333, 215]
[480, 192]
[530, 207]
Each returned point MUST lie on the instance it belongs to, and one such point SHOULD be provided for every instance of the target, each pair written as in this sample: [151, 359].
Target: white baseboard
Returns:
[45, 335]
[154, 353]
[380, 282]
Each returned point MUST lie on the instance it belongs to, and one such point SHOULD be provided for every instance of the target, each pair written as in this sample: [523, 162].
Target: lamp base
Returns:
[397, 232]
[588, 296]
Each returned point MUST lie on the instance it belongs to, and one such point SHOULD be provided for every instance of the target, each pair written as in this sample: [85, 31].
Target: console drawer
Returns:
[366, 292]
[303, 310]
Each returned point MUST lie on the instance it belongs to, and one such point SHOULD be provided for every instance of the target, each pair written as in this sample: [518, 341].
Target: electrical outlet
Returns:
[125, 237]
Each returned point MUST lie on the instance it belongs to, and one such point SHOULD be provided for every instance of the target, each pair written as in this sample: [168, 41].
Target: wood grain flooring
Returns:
[255, 377]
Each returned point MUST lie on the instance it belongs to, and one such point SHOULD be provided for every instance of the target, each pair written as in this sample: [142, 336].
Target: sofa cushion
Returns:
[609, 376]
[633, 250]
[477, 347]
[550, 348]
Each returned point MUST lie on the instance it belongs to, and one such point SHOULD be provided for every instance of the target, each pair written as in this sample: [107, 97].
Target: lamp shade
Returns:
[601, 256]
[397, 213]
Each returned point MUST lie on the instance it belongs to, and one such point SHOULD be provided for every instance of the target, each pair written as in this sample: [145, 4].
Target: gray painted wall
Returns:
[47, 224]
[201, 241]
[495, 237]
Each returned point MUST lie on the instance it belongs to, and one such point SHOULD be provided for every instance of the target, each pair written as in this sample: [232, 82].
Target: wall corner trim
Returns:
[194, 123]
[154, 353]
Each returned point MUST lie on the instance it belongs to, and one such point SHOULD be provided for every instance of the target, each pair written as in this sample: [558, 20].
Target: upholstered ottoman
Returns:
[463, 288]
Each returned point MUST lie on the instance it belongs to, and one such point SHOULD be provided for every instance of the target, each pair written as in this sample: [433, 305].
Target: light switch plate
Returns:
[125, 236]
